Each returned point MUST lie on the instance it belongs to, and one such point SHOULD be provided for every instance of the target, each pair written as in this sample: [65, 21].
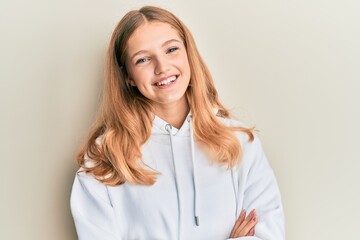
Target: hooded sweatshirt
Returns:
[193, 198]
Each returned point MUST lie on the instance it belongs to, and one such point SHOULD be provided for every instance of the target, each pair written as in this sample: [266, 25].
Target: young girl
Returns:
[163, 159]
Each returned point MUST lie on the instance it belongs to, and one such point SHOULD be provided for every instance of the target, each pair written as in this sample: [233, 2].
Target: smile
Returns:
[167, 81]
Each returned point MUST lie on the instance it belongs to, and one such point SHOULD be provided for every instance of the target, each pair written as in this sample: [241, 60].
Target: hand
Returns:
[244, 226]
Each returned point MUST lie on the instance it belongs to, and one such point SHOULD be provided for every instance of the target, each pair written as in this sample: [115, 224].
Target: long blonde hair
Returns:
[112, 150]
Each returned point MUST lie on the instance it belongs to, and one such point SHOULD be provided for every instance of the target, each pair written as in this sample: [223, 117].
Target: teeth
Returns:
[166, 81]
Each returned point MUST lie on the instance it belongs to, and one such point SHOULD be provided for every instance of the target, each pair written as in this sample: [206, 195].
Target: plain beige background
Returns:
[290, 67]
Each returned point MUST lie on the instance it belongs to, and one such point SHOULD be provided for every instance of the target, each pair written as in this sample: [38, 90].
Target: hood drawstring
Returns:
[168, 128]
[196, 205]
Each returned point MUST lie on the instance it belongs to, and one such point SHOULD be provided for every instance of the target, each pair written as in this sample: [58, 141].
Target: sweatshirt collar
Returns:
[159, 127]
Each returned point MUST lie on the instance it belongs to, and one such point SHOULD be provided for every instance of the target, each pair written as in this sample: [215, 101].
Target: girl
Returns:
[163, 159]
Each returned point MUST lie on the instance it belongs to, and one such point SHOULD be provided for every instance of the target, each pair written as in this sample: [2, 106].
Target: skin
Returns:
[244, 225]
[156, 52]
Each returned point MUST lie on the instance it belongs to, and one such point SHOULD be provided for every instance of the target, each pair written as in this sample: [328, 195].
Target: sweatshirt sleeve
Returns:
[92, 209]
[259, 191]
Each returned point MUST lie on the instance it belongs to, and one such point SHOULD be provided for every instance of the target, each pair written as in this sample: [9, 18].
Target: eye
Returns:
[172, 49]
[142, 60]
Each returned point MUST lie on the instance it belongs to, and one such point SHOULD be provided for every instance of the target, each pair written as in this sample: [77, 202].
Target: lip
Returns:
[164, 78]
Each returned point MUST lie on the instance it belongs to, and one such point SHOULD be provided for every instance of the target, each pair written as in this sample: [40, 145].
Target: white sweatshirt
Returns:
[192, 199]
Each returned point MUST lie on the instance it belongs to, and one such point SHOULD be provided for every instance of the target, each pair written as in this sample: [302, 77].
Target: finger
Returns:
[238, 222]
[247, 230]
[251, 232]
[247, 223]
[248, 218]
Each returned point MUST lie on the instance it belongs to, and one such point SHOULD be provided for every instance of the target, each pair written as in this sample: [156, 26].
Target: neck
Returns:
[174, 113]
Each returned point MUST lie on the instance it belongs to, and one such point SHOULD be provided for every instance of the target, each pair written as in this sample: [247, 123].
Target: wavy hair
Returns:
[112, 150]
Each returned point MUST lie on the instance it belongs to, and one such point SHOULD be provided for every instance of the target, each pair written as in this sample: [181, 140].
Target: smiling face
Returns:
[157, 64]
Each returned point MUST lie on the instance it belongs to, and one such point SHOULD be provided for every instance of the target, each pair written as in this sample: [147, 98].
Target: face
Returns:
[157, 64]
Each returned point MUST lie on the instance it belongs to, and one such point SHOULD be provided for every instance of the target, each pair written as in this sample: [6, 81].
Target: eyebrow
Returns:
[165, 43]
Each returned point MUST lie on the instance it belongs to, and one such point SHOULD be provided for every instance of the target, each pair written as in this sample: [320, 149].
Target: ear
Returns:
[132, 82]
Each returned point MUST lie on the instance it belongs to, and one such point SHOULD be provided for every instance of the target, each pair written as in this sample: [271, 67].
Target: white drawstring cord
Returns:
[168, 128]
[196, 204]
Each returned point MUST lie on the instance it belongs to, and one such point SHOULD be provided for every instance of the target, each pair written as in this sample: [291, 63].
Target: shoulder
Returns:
[86, 182]
[87, 186]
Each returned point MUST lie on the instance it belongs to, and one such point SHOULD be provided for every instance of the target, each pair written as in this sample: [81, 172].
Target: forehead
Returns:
[150, 35]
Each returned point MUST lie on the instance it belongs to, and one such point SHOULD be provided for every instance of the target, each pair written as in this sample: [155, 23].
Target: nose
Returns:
[161, 66]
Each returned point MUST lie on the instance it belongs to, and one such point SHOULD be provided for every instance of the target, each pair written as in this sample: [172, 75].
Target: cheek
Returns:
[139, 76]
[186, 61]
[186, 67]
[183, 62]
